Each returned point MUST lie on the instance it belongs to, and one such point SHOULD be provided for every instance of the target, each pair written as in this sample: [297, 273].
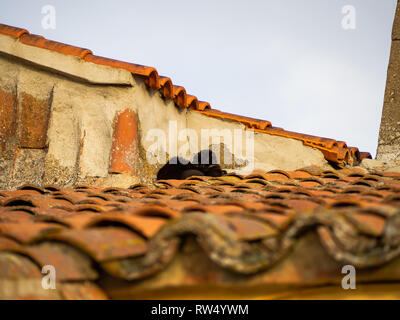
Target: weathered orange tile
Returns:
[15, 216]
[247, 228]
[216, 209]
[17, 266]
[34, 121]
[277, 220]
[27, 232]
[7, 243]
[41, 42]
[155, 211]
[369, 223]
[124, 147]
[12, 31]
[150, 74]
[8, 117]
[146, 226]
[302, 205]
[298, 174]
[103, 243]
[248, 122]
[68, 262]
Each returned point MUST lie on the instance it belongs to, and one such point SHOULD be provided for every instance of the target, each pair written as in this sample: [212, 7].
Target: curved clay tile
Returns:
[203, 105]
[12, 31]
[102, 243]
[240, 231]
[192, 102]
[334, 151]
[69, 263]
[41, 42]
[248, 122]
[364, 155]
[150, 73]
[144, 226]
[180, 97]
[167, 88]
[32, 187]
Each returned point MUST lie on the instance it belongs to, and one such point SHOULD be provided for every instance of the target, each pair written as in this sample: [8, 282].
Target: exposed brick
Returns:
[124, 144]
[34, 121]
[8, 116]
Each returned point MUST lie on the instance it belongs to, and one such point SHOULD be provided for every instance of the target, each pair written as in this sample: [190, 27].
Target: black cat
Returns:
[203, 163]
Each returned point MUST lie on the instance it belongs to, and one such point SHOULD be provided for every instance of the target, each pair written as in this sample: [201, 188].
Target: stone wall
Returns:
[64, 122]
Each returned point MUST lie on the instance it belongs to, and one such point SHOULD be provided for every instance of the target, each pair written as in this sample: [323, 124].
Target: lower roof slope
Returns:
[244, 224]
[335, 151]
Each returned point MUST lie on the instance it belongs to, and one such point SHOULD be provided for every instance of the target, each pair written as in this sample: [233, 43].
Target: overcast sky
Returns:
[287, 61]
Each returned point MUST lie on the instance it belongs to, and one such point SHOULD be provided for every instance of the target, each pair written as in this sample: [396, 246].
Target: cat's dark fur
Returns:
[203, 163]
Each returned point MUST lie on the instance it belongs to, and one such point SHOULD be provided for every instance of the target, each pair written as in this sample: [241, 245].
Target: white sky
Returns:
[286, 61]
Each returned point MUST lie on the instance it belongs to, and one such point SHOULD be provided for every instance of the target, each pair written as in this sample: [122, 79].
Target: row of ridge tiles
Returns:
[70, 227]
[335, 151]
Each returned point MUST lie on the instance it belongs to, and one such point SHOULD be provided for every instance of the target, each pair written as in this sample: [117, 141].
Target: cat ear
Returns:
[205, 156]
[195, 159]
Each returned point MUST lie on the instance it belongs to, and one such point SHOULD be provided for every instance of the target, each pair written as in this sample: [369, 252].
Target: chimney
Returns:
[389, 133]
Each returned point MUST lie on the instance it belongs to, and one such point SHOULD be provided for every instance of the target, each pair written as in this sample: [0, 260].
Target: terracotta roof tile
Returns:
[34, 121]
[17, 266]
[335, 151]
[14, 216]
[64, 225]
[144, 226]
[102, 243]
[26, 232]
[41, 42]
[247, 228]
[70, 264]
[371, 224]
[124, 144]
[7, 243]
